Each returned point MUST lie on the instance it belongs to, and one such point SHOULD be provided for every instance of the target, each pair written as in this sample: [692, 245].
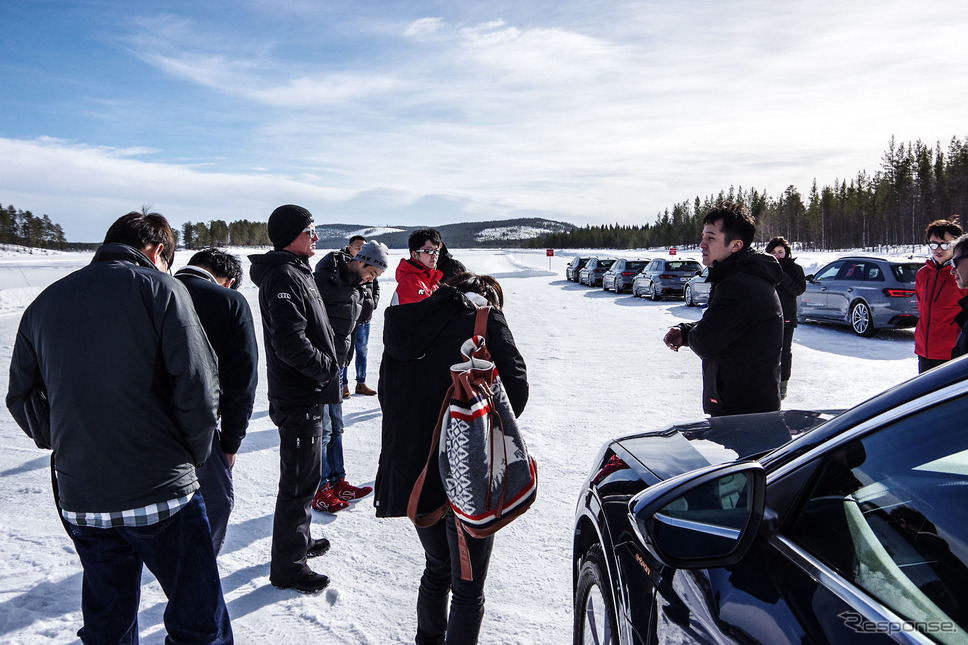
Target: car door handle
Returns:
[850, 290]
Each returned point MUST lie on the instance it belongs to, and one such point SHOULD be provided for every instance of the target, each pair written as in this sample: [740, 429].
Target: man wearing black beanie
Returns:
[303, 376]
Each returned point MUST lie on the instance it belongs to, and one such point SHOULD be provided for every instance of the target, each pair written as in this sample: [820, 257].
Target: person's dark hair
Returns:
[419, 238]
[940, 227]
[779, 241]
[484, 285]
[737, 222]
[220, 264]
[357, 237]
[960, 245]
[141, 230]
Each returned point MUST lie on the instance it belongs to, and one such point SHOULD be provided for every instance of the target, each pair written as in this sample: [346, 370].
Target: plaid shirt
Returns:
[144, 516]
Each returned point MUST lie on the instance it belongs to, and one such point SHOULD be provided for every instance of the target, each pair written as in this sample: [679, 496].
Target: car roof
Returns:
[873, 257]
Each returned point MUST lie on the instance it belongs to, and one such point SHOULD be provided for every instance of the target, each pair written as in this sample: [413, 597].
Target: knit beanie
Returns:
[286, 223]
[374, 253]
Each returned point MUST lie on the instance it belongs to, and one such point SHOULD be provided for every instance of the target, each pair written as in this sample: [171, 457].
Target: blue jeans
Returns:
[360, 340]
[331, 464]
[179, 552]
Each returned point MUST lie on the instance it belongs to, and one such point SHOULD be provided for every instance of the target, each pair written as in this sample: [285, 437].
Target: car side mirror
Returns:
[703, 519]
[810, 278]
[699, 272]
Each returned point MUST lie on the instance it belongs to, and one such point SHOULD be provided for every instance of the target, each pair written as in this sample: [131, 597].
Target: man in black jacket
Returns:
[212, 277]
[741, 331]
[303, 376]
[338, 281]
[133, 389]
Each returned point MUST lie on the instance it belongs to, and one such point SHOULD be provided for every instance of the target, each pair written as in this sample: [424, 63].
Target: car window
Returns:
[853, 270]
[830, 271]
[604, 264]
[906, 272]
[873, 273]
[634, 266]
[683, 266]
[888, 513]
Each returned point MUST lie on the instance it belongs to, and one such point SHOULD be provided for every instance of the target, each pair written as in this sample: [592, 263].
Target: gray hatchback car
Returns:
[620, 275]
[663, 277]
[865, 293]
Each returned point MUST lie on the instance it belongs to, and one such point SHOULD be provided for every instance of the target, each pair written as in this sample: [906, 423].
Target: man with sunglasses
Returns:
[417, 276]
[959, 269]
[938, 295]
[303, 376]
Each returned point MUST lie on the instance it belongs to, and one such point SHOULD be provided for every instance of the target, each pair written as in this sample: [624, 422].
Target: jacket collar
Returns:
[117, 252]
[195, 272]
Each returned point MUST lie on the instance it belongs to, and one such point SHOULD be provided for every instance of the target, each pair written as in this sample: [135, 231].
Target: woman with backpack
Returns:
[421, 341]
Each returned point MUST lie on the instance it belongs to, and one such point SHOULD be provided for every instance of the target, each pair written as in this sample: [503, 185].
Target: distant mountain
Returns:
[466, 235]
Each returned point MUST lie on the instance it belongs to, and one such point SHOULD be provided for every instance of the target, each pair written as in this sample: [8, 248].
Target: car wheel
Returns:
[688, 297]
[861, 320]
[656, 297]
[604, 288]
[594, 612]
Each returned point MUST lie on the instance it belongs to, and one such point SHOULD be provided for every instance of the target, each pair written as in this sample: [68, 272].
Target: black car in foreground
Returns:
[788, 527]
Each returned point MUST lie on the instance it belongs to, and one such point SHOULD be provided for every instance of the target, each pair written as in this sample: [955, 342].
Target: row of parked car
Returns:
[866, 293]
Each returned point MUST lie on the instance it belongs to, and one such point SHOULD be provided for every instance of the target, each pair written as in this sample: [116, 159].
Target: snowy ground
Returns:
[598, 369]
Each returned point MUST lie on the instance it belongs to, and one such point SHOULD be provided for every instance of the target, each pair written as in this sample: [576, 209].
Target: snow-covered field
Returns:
[598, 369]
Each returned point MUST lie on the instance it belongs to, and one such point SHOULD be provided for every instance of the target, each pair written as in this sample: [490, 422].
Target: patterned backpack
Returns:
[487, 472]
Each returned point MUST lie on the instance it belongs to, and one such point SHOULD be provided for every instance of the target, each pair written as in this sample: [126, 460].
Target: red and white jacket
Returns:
[414, 282]
[938, 295]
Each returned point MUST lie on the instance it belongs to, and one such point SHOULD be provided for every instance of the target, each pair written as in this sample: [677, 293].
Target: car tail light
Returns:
[899, 293]
[611, 466]
[627, 273]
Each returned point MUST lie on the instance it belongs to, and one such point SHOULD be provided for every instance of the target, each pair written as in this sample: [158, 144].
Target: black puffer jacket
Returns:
[421, 341]
[792, 284]
[740, 336]
[340, 290]
[301, 362]
[131, 378]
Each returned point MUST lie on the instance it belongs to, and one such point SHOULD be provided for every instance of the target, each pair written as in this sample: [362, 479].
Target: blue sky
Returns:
[384, 113]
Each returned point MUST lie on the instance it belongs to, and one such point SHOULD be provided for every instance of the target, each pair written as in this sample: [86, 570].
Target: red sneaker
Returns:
[327, 502]
[345, 491]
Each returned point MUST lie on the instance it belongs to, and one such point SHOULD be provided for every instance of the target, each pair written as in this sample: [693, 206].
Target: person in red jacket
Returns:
[417, 276]
[938, 295]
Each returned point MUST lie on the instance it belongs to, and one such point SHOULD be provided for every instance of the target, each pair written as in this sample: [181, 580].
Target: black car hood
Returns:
[717, 440]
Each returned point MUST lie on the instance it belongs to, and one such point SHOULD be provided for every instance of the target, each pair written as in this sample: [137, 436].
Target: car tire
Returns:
[653, 294]
[594, 611]
[687, 296]
[604, 288]
[861, 319]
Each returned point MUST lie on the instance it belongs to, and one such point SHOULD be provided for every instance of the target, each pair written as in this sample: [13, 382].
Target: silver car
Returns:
[664, 277]
[697, 289]
[866, 293]
[620, 275]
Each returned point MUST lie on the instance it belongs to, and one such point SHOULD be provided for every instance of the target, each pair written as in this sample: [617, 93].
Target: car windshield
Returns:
[604, 264]
[683, 266]
[635, 265]
[906, 272]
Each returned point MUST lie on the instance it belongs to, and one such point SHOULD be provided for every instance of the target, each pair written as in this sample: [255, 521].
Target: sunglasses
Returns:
[934, 246]
[312, 232]
[955, 260]
[429, 251]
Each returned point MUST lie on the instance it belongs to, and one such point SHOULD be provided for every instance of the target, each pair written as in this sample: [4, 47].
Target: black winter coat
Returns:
[740, 336]
[792, 284]
[227, 320]
[302, 368]
[131, 379]
[421, 341]
[340, 291]
[961, 345]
